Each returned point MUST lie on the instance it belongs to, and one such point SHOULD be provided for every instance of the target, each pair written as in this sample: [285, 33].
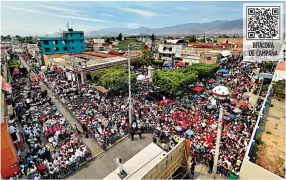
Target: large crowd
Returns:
[192, 114]
[50, 143]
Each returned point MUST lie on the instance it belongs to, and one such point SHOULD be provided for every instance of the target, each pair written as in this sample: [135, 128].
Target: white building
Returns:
[167, 51]
[98, 41]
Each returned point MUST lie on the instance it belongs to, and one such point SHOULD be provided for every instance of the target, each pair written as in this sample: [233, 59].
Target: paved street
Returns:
[104, 163]
[94, 146]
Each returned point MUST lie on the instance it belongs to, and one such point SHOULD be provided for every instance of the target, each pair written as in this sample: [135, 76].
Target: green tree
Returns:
[172, 81]
[203, 70]
[14, 63]
[107, 40]
[153, 37]
[112, 78]
[146, 58]
[119, 38]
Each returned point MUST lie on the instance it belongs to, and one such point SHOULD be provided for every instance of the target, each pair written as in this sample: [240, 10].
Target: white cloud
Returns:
[143, 13]
[133, 25]
[22, 9]
[181, 8]
[57, 15]
[59, 9]
[82, 18]
[106, 15]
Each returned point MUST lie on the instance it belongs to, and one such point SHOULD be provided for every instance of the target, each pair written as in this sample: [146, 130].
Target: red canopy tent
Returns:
[198, 89]
[243, 104]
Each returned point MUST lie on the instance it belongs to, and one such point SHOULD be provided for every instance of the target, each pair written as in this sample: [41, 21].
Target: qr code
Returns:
[263, 23]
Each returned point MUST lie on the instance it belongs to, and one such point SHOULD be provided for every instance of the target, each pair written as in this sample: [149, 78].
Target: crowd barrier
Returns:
[58, 174]
[221, 170]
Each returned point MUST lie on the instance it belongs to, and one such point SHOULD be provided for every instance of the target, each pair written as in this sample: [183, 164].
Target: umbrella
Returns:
[243, 104]
[220, 91]
[210, 106]
[226, 117]
[179, 128]
[140, 77]
[232, 116]
[223, 71]
[237, 110]
[245, 96]
[226, 74]
[198, 89]
[212, 81]
[225, 104]
[201, 85]
[190, 132]
[233, 103]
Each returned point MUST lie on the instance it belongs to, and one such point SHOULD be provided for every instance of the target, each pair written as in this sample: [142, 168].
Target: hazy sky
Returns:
[48, 17]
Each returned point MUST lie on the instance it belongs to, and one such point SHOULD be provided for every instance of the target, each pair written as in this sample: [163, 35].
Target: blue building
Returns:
[70, 42]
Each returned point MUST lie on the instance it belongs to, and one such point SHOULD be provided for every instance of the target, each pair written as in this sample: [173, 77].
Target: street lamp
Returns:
[129, 86]
[220, 92]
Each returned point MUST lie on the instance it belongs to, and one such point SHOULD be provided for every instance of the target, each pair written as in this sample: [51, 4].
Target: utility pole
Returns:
[217, 142]
[129, 84]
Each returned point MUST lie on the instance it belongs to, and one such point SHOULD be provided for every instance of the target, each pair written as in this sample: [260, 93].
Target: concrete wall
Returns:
[215, 58]
[169, 164]
[250, 170]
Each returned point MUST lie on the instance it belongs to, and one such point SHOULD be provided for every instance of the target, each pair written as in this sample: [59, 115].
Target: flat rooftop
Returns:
[140, 164]
[87, 59]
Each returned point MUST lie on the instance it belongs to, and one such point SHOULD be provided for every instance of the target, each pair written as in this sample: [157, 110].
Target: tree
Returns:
[172, 81]
[203, 70]
[153, 37]
[107, 40]
[112, 78]
[119, 38]
[146, 58]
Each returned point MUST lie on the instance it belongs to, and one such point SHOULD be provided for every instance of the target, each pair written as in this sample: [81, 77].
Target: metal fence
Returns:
[221, 170]
[62, 172]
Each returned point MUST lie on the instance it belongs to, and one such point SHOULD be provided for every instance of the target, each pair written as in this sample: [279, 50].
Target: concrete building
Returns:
[70, 42]
[169, 51]
[98, 41]
[210, 57]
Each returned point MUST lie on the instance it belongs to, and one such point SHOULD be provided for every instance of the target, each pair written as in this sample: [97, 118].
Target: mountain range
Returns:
[214, 27]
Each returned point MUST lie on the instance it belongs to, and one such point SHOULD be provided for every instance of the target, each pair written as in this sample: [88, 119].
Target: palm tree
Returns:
[146, 58]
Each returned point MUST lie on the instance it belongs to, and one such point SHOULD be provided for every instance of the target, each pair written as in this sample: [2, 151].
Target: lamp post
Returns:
[217, 142]
[222, 93]
[129, 87]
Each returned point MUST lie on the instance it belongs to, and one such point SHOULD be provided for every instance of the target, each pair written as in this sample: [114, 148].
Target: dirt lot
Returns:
[272, 153]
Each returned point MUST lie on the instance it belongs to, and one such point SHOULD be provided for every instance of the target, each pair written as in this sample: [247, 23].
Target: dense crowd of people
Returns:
[50, 143]
[192, 114]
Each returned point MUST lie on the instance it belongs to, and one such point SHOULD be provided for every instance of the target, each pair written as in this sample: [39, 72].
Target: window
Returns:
[71, 41]
[56, 42]
[81, 34]
[65, 48]
[46, 42]
[81, 41]
[47, 50]
[72, 48]
[71, 35]
[56, 49]
[208, 58]
[64, 42]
